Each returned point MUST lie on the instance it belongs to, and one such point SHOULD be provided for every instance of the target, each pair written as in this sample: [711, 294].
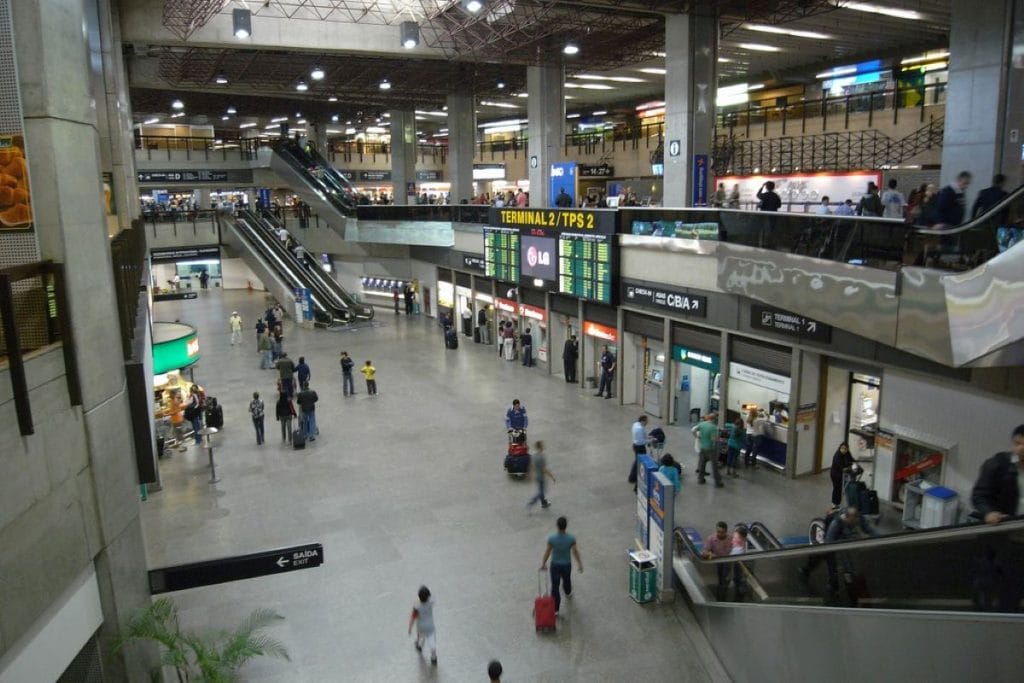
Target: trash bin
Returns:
[643, 576]
[938, 507]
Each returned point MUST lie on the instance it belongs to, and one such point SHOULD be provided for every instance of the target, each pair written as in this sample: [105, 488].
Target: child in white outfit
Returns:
[423, 616]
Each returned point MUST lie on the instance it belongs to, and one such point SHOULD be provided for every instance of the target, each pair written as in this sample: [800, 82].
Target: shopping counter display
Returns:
[175, 346]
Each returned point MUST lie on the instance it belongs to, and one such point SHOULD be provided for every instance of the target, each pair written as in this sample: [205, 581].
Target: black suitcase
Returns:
[298, 439]
[854, 490]
[451, 338]
[869, 502]
[517, 464]
[476, 335]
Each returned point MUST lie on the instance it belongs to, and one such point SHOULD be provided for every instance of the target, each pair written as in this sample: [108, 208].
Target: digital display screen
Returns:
[538, 257]
[501, 254]
[585, 266]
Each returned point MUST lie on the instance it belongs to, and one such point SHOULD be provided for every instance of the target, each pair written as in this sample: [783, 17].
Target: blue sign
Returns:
[700, 179]
[563, 177]
[264, 198]
[304, 300]
[657, 502]
[645, 469]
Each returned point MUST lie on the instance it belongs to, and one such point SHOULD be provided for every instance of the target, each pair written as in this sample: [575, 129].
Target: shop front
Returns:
[535, 318]
[596, 337]
[852, 398]
[182, 268]
[175, 351]
[483, 304]
[642, 361]
[695, 374]
[756, 389]
[463, 304]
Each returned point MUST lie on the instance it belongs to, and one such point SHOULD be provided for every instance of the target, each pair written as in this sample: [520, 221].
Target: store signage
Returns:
[195, 176]
[580, 220]
[602, 171]
[600, 331]
[474, 262]
[524, 310]
[563, 179]
[375, 176]
[506, 306]
[666, 299]
[488, 171]
[184, 253]
[761, 378]
[700, 359]
[174, 354]
[428, 176]
[182, 576]
[790, 324]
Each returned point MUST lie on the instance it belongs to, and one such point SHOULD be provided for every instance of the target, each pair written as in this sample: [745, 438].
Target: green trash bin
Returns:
[643, 576]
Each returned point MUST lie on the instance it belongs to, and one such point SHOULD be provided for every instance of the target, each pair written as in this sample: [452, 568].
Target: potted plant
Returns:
[206, 658]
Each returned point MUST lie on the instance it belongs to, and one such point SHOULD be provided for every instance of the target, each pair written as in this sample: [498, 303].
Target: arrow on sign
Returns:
[811, 326]
[281, 561]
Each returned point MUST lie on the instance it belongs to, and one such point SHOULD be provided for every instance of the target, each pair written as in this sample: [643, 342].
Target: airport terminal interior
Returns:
[776, 241]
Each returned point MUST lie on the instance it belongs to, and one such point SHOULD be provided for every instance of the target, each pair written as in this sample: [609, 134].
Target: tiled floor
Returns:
[407, 488]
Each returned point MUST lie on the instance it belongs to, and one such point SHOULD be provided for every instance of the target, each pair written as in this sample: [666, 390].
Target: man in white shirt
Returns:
[822, 209]
[893, 201]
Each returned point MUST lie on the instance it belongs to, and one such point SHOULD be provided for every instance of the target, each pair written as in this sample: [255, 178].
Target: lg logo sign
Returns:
[535, 256]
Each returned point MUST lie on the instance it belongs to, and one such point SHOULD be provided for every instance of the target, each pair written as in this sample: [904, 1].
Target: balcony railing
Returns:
[168, 148]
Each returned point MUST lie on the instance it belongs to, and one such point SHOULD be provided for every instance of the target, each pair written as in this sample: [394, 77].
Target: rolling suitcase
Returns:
[517, 464]
[854, 490]
[543, 608]
[868, 502]
[298, 439]
[451, 338]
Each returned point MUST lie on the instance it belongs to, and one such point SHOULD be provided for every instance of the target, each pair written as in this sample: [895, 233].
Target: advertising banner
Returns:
[15, 197]
[800, 192]
[700, 179]
[563, 177]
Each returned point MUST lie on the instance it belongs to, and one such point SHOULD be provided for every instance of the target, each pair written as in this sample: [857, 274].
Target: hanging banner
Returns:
[700, 179]
[563, 177]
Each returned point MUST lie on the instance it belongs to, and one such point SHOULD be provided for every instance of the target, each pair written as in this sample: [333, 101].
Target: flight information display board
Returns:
[501, 254]
[585, 266]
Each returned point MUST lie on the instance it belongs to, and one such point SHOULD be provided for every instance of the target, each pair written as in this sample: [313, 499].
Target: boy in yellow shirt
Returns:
[370, 373]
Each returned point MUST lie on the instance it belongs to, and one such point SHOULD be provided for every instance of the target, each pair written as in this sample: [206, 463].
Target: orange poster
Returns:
[15, 199]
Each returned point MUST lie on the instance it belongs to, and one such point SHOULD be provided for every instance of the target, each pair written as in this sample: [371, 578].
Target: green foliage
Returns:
[208, 658]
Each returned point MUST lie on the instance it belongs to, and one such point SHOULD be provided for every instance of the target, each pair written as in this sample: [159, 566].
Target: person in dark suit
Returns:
[990, 196]
[950, 204]
[996, 493]
[570, 353]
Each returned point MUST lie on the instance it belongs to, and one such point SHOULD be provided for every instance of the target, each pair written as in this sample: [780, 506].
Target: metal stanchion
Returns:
[206, 433]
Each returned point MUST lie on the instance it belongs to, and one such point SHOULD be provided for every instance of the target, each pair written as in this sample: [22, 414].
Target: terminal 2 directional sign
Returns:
[210, 572]
[790, 324]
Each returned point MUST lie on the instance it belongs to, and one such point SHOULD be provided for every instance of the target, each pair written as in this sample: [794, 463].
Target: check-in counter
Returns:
[773, 447]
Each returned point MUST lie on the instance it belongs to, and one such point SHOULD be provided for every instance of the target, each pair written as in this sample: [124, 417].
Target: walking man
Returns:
[256, 410]
[527, 340]
[570, 352]
[539, 465]
[348, 387]
[707, 433]
[307, 399]
[607, 373]
[302, 371]
[285, 370]
[235, 322]
[285, 411]
[639, 445]
[559, 546]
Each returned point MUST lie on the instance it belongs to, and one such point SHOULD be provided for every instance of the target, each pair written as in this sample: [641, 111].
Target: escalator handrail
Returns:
[998, 208]
[945, 533]
[766, 533]
[339, 188]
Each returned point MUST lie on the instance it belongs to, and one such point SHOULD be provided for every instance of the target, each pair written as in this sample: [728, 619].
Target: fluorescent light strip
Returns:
[500, 105]
[838, 71]
[246, 125]
[927, 57]
[616, 79]
[779, 31]
[150, 121]
[279, 119]
[758, 47]
[887, 11]
[589, 86]
[656, 70]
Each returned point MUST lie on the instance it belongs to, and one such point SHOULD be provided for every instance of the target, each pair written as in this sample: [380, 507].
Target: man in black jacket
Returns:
[997, 493]
[570, 352]
[990, 196]
[950, 204]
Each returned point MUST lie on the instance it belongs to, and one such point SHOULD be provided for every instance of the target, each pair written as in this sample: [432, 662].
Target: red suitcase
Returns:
[543, 608]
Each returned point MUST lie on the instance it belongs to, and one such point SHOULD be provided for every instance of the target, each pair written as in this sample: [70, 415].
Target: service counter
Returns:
[774, 445]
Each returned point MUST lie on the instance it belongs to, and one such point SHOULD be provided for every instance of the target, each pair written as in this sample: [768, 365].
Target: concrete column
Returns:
[403, 156]
[691, 54]
[581, 369]
[62, 138]
[545, 110]
[985, 100]
[667, 394]
[461, 146]
[316, 133]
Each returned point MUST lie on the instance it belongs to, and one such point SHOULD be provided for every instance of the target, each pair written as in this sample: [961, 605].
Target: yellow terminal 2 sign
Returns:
[596, 220]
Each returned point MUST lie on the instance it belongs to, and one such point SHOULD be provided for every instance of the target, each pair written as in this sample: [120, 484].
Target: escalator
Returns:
[316, 181]
[952, 296]
[936, 604]
[283, 273]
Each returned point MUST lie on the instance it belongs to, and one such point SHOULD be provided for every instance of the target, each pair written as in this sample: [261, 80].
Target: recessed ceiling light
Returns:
[241, 22]
[298, 114]
[657, 70]
[473, 6]
[334, 119]
[385, 84]
[301, 86]
[780, 31]
[220, 79]
[725, 60]
[599, 112]
[279, 119]
[589, 86]
[232, 110]
[759, 47]
[332, 98]
[149, 121]
[571, 49]
[178, 104]
[838, 71]
[501, 85]
[878, 9]
[317, 74]
[572, 116]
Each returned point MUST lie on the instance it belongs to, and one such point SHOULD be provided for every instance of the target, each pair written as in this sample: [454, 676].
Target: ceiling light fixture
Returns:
[178, 115]
[780, 31]
[385, 84]
[655, 70]
[178, 104]
[247, 125]
[149, 121]
[759, 47]
[220, 79]
[838, 71]
[500, 85]
[599, 112]
[410, 34]
[317, 74]
[725, 60]
[301, 86]
[232, 110]
[756, 86]
[571, 49]
[473, 6]
[334, 119]
[887, 11]
[332, 98]
[225, 118]
[241, 22]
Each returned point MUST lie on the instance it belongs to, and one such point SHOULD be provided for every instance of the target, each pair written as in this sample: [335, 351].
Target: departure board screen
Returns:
[585, 266]
[501, 253]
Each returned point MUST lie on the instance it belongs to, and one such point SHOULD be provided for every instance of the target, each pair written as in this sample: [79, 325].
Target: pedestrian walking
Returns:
[707, 436]
[285, 412]
[302, 371]
[423, 616]
[539, 465]
[256, 411]
[370, 373]
[276, 343]
[570, 352]
[394, 294]
[307, 399]
[639, 438]
[235, 323]
[265, 346]
[560, 544]
[842, 463]
[261, 327]
[285, 370]
[348, 387]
